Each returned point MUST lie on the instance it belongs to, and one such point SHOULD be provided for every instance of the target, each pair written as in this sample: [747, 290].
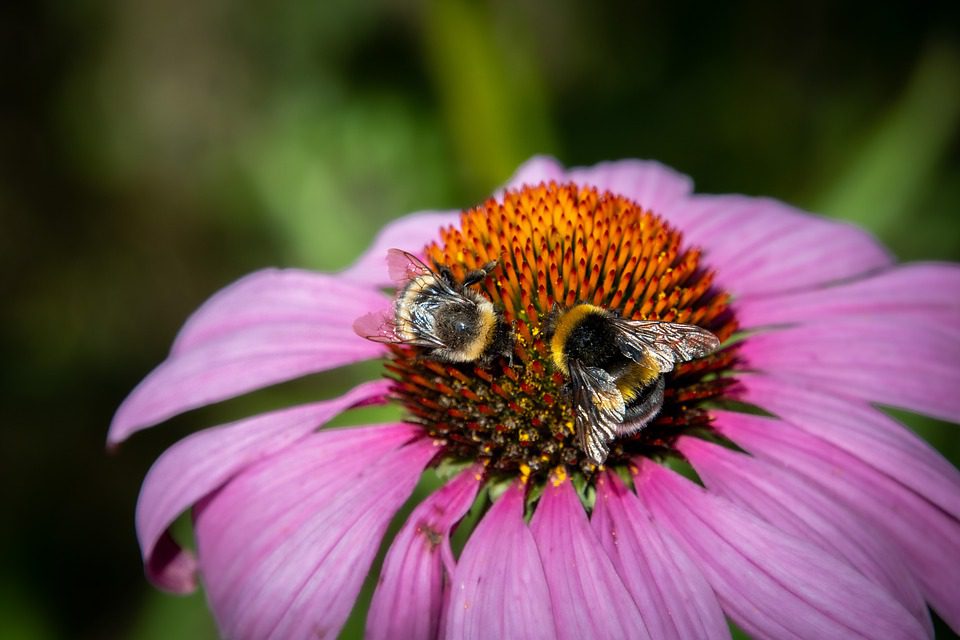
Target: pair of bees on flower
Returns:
[615, 366]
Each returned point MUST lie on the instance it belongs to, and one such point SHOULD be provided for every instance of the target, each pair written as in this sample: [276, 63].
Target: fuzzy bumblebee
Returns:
[439, 313]
[616, 369]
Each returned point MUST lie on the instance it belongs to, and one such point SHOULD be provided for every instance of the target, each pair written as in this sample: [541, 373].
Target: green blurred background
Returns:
[155, 151]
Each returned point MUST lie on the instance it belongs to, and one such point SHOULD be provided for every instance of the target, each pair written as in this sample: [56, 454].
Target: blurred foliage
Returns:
[155, 151]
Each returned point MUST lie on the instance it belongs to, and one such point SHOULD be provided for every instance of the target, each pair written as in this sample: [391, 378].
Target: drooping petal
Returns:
[339, 453]
[410, 233]
[269, 327]
[928, 538]
[285, 545]
[760, 246]
[792, 505]
[926, 291]
[652, 185]
[770, 583]
[410, 593]
[498, 589]
[200, 463]
[863, 432]
[881, 359]
[589, 598]
[671, 593]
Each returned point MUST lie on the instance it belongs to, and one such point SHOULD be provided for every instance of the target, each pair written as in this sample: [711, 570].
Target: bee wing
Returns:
[598, 409]
[381, 326]
[403, 267]
[377, 326]
[668, 343]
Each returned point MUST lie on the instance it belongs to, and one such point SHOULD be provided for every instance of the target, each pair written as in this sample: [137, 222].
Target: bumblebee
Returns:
[616, 369]
[436, 311]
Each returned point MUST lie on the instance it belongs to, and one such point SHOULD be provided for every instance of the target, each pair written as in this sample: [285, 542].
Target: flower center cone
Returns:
[557, 246]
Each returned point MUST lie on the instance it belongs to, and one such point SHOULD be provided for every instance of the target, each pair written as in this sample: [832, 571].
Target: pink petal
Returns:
[792, 505]
[536, 170]
[284, 547]
[280, 512]
[410, 233]
[498, 589]
[928, 538]
[910, 291]
[880, 359]
[269, 327]
[272, 297]
[198, 464]
[652, 185]
[410, 593]
[772, 584]
[760, 246]
[671, 593]
[874, 438]
[589, 598]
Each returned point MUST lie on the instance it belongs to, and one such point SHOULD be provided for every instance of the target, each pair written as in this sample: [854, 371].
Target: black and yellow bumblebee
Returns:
[616, 369]
[436, 311]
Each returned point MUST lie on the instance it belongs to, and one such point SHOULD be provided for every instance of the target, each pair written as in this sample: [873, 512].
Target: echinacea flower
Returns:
[813, 513]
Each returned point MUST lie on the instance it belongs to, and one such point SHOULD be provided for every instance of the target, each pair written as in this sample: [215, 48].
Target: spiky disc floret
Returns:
[559, 245]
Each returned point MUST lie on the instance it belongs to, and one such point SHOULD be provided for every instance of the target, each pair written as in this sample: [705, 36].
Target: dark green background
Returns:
[153, 151]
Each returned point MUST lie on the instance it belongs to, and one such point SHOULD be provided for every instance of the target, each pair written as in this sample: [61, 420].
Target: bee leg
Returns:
[503, 340]
[475, 277]
[444, 272]
[640, 414]
[549, 325]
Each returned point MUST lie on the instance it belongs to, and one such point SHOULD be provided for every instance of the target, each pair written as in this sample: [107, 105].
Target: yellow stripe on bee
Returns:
[637, 378]
[565, 325]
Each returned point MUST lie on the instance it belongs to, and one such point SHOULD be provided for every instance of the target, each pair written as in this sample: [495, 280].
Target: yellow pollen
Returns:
[559, 476]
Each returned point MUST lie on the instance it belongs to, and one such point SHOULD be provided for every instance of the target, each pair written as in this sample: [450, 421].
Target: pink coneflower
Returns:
[815, 515]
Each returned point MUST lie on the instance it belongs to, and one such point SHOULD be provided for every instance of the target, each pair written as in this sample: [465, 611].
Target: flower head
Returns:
[813, 514]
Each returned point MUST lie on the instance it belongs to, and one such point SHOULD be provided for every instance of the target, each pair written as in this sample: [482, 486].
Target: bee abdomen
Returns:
[643, 408]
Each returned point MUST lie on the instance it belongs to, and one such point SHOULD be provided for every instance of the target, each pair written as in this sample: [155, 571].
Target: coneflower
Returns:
[812, 514]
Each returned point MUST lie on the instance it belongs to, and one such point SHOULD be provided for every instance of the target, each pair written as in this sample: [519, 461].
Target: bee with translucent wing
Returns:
[616, 369]
[439, 313]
